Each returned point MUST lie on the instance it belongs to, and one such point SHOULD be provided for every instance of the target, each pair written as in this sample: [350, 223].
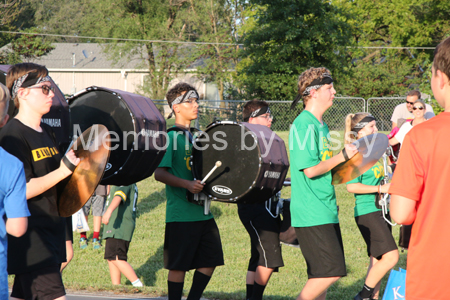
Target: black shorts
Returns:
[192, 245]
[323, 250]
[116, 249]
[377, 234]
[264, 231]
[42, 284]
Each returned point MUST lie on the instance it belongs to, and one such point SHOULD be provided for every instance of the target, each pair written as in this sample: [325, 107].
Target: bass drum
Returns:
[253, 158]
[136, 126]
[58, 117]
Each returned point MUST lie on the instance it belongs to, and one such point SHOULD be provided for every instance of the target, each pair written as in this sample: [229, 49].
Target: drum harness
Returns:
[383, 200]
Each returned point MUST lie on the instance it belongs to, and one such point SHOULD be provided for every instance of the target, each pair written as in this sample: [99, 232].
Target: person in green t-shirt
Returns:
[192, 239]
[120, 220]
[381, 246]
[313, 200]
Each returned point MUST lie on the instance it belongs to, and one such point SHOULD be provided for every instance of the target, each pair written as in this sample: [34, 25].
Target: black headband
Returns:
[361, 124]
[258, 112]
[317, 83]
[27, 80]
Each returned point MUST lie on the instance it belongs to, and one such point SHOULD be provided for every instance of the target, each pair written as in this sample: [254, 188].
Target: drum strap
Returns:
[186, 132]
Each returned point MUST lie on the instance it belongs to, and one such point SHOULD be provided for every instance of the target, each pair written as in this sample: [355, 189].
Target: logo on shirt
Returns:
[41, 153]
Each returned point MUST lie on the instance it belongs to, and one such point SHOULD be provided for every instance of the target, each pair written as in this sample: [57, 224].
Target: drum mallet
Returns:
[218, 164]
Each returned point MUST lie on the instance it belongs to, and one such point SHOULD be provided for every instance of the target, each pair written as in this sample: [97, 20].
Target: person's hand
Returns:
[350, 150]
[73, 159]
[195, 186]
[385, 188]
[105, 218]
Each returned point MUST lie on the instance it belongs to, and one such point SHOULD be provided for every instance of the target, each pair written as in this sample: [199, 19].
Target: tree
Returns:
[288, 37]
[25, 48]
[216, 22]
[391, 23]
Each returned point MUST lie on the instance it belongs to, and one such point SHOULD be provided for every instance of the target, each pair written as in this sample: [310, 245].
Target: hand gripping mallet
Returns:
[207, 201]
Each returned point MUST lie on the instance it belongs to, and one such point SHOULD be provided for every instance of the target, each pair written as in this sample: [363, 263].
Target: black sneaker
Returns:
[358, 297]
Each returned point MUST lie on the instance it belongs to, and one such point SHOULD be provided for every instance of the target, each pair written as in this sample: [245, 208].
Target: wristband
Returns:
[68, 164]
[344, 153]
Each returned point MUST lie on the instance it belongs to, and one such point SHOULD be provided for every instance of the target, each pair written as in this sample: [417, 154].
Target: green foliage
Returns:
[287, 38]
[25, 48]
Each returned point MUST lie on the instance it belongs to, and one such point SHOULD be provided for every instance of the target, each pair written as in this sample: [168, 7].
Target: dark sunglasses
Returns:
[407, 102]
[45, 89]
[420, 107]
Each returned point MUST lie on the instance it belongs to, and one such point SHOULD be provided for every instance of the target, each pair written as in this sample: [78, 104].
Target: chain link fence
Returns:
[231, 110]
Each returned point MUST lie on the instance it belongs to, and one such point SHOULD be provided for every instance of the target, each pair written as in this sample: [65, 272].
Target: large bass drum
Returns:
[136, 126]
[58, 117]
[254, 162]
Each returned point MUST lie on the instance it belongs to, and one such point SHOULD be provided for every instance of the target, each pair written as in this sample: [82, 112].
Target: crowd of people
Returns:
[34, 239]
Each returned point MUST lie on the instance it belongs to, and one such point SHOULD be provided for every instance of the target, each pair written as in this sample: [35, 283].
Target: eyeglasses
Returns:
[266, 116]
[45, 89]
[410, 103]
[420, 107]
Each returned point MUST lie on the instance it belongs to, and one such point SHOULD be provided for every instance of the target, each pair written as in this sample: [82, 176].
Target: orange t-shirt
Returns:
[423, 174]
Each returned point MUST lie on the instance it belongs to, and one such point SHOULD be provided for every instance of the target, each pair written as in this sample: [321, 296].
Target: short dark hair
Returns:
[251, 106]
[177, 91]
[441, 59]
[414, 93]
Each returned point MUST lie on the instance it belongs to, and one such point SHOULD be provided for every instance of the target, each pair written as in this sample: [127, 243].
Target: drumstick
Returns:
[218, 164]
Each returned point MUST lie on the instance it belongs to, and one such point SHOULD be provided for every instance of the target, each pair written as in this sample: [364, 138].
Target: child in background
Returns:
[120, 220]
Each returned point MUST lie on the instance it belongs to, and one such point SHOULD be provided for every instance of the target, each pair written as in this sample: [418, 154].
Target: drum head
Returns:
[111, 111]
[135, 125]
[238, 150]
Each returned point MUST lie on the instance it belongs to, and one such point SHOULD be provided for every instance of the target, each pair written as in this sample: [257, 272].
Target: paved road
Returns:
[76, 296]
[71, 296]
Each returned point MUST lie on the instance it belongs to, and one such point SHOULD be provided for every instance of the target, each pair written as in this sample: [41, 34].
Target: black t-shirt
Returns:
[44, 242]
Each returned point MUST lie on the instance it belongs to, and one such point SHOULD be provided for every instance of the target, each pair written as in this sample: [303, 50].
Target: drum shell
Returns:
[260, 172]
[58, 117]
[136, 121]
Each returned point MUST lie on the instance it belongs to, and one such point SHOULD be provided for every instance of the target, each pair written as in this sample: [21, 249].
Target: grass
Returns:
[88, 270]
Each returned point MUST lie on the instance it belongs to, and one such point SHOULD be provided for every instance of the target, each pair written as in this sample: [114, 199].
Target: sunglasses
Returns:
[45, 89]
[420, 107]
[411, 103]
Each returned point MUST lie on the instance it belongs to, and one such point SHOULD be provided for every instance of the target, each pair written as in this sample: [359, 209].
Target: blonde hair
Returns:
[305, 79]
[350, 121]
[4, 101]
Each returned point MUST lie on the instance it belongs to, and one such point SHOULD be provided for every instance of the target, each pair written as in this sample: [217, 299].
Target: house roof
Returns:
[84, 56]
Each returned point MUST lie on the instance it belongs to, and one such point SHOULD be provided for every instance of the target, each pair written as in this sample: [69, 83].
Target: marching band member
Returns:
[381, 246]
[192, 239]
[313, 200]
[264, 230]
[35, 258]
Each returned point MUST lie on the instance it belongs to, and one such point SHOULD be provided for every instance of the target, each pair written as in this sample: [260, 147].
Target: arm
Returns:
[37, 186]
[16, 226]
[403, 210]
[359, 188]
[393, 141]
[115, 202]
[326, 165]
[394, 124]
[162, 175]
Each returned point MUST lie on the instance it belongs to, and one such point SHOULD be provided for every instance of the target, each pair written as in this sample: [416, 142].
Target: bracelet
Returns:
[68, 164]
[344, 153]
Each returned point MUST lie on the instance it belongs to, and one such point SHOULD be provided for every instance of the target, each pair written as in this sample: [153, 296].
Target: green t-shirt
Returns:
[365, 203]
[176, 160]
[313, 201]
[123, 219]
